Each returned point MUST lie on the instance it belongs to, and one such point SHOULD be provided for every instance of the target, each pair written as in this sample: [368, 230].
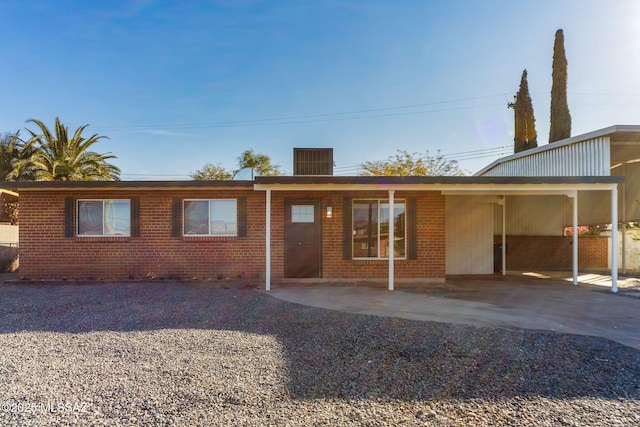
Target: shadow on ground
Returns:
[336, 354]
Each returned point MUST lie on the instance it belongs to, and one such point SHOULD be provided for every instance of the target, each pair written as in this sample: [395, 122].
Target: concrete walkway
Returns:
[551, 304]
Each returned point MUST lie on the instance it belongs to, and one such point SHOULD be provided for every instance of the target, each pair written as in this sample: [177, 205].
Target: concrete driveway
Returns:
[513, 301]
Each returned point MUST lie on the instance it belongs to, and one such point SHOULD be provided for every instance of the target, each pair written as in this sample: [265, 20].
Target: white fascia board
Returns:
[448, 188]
[531, 192]
[129, 189]
[9, 192]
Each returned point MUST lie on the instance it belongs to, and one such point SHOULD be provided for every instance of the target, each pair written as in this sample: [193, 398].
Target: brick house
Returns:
[318, 227]
[314, 225]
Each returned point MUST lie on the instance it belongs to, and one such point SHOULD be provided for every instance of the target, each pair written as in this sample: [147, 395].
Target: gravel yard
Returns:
[197, 353]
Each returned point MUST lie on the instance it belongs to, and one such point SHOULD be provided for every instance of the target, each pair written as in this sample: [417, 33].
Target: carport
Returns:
[610, 152]
[476, 189]
[566, 187]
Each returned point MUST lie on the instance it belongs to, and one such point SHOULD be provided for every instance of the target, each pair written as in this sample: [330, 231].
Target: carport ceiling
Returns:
[625, 148]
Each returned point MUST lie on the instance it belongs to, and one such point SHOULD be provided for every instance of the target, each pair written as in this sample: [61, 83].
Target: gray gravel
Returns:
[199, 354]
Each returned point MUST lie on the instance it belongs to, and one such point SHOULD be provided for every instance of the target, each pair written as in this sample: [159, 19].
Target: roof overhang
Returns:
[23, 186]
[8, 192]
[446, 185]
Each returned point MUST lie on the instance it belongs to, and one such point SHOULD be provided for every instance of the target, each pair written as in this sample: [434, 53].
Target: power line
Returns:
[351, 169]
[273, 122]
[502, 150]
[499, 151]
[355, 114]
[344, 115]
[477, 151]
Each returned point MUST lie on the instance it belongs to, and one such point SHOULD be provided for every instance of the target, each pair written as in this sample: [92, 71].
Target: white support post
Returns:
[575, 237]
[614, 239]
[624, 246]
[391, 238]
[624, 221]
[267, 275]
[504, 235]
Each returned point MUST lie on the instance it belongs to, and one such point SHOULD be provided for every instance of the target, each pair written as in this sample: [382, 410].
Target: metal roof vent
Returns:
[313, 161]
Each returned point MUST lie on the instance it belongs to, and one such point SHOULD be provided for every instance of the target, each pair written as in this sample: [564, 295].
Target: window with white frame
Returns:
[302, 213]
[104, 217]
[371, 229]
[217, 217]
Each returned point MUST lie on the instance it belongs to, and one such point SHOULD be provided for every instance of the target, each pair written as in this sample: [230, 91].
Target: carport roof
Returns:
[412, 180]
[453, 185]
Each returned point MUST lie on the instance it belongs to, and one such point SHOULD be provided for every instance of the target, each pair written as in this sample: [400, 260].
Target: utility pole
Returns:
[512, 105]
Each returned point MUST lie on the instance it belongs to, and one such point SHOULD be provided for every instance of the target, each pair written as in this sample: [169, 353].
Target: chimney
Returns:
[313, 161]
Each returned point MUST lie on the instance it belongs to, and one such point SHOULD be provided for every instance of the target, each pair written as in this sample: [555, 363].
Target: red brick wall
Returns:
[430, 262]
[46, 253]
[554, 252]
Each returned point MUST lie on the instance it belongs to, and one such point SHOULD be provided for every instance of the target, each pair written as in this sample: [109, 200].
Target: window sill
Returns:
[102, 239]
[374, 261]
[209, 238]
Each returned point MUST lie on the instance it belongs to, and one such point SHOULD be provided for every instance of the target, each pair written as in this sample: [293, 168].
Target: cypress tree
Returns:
[525, 123]
[560, 117]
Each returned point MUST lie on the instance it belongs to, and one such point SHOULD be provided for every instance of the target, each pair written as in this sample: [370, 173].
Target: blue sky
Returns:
[176, 84]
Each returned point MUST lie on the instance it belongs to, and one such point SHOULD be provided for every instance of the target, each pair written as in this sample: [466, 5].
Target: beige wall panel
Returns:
[534, 215]
[469, 238]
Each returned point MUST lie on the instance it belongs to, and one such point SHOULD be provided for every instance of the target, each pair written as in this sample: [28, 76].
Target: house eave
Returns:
[22, 186]
[429, 180]
[442, 184]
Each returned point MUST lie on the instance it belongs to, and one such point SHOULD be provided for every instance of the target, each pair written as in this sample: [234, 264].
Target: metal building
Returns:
[612, 151]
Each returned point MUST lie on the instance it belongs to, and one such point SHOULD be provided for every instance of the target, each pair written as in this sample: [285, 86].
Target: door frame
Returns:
[317, 224]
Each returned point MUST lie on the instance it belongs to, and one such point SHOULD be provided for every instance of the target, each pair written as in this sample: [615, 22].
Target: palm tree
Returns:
[13, 156]
[9, 153]
[56, 157]
[260, 163]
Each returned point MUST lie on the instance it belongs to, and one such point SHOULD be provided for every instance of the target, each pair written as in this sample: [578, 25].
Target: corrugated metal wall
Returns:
[630, 208]
[533, 215]
[548, 215]
[587, 158]
[594, 207]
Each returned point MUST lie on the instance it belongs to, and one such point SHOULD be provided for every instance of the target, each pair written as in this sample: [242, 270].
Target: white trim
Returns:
[380, 203]
[267, 275]
[504, 235]
[9, 192]
[614, 240]
[458, 189]
[77, 227]
[303, 220]
[209, 234]
[392, 246]
[511, 193]
[574, 254]
[623, 189]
